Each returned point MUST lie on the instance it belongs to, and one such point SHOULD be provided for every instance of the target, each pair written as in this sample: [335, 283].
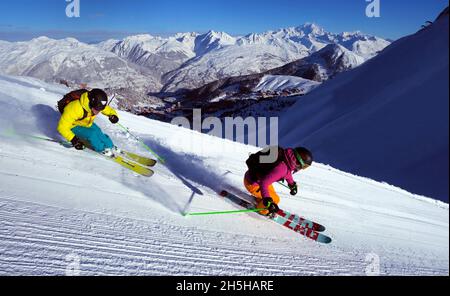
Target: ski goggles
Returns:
[303, 165]
[97, 106]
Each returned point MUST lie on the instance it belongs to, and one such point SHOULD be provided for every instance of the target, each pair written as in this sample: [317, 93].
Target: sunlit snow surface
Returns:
[59, 206]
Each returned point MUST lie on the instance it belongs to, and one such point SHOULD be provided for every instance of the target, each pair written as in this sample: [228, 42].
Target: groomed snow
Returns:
[59, 206]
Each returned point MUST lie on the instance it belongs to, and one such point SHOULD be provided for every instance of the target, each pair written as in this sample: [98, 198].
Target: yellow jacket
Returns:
[73, 116]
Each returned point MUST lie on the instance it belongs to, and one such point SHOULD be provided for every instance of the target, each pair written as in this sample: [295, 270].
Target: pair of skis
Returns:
[296, 223]
[139, 164]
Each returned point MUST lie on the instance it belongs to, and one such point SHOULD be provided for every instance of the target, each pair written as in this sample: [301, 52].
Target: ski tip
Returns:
[320, 228]
[148, 174]
[325, 239]
[223, 193]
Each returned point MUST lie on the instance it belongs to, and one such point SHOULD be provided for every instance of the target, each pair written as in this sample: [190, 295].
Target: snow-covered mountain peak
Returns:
[72, 61]
[49, 44]
[144, 40]
[107, 45]
[72, 40]
[338, 58]
[218, 35]
[144, 45]
[333, 47]
[353, 34]
[186, 37]
[220, 38]
[311, 28]
[211, 41]
[41, 39]
[140, 38]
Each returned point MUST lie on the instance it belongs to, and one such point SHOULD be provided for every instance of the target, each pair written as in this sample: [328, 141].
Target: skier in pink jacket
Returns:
[260, 177]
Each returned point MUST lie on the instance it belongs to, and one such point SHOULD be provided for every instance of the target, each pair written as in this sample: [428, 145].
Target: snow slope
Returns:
[387, 119]
[64, 211]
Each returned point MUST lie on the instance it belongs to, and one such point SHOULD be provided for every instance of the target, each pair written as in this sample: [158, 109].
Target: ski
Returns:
[301, 229]
[135, 167]
[301, 220]
[291, 217]
[296, 223]
[134, 162]
[142, 160]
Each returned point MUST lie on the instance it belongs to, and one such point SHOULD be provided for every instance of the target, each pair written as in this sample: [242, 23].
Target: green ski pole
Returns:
[282, 184]
[142, 143]
[223, 213]
[13, 133]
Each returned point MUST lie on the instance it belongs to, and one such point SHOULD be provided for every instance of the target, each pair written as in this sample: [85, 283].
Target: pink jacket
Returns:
[283, 170]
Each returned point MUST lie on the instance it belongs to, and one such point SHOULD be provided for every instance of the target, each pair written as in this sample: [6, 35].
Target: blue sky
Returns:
[103, 19]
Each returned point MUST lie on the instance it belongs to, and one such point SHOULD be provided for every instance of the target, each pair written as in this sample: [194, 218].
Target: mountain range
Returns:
[143, 64]
[234, 95]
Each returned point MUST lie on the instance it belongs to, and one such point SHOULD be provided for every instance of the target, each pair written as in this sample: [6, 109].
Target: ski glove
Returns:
[114, 119]
[76, 142]
[267, 201]
[271, 206]
[294, 188]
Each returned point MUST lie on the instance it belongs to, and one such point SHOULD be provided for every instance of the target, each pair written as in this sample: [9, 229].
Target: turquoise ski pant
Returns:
[94, 136]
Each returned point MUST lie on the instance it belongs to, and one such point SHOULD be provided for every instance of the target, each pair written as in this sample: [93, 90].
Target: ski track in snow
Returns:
[38, 238]
[147, 248]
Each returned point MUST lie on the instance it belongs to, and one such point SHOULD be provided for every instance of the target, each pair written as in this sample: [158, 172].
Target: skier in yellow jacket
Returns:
[79, 109]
